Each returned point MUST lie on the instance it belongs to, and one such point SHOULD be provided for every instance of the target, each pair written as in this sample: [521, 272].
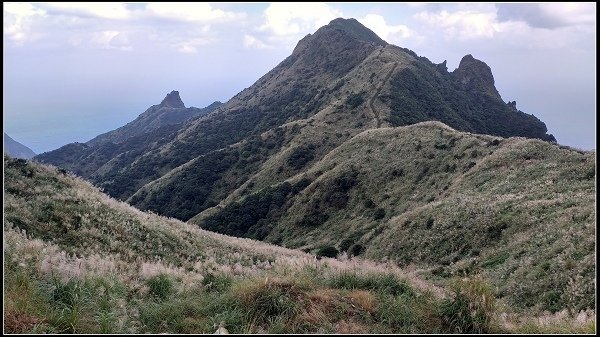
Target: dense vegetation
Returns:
[253, 216]
[76, 261]
[208, 179]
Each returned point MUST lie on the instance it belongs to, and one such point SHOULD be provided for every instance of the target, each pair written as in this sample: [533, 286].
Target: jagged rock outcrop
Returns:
[474, 75]
[172, 100]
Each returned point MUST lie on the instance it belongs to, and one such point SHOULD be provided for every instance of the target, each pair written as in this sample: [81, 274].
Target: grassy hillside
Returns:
[78, 261]
[520, 211]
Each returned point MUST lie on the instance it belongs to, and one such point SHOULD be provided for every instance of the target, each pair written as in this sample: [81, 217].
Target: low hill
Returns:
[515, 209]
[77, 261]
[16, 149]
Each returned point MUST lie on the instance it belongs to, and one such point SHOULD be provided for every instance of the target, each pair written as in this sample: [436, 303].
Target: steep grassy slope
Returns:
[518, 210]
[77, 261]
[278, 97]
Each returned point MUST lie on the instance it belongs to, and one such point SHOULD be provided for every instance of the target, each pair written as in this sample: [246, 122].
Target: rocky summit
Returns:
[172, 100]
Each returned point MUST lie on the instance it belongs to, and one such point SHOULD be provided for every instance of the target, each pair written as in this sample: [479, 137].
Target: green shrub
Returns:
[379, 214]
[71, 301]
[161, 286]
[327, 251]
[269, 300]
[346, 244]
[172, 316]
[397, 172]
[67, 294]
[301, 156]
[429, 223]
[355, 100]
[356, 250]
[397, 313]
[471, 308]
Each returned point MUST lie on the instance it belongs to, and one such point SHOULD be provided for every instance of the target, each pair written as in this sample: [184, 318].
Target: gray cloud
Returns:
[548, 15]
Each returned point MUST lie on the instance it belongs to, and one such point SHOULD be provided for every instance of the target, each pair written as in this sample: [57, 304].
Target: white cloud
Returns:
[112, 10]
[187, 49]
[521, 26]
[191, 46]
[463, 25]
[295, 18]
[21, 9]
[387, 32]
[17, 20]
[570, 13]
[549, 15]
[111, 39]
[106, 39]
[185, 11]
[253, 42]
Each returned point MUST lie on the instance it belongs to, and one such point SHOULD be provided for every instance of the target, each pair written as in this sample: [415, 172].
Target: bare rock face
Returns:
[172, 100]
[475, 75]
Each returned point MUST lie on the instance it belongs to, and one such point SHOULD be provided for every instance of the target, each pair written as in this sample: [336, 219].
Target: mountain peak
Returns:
[474, 74]
[337, 46]
[172, 100]
[356, 30]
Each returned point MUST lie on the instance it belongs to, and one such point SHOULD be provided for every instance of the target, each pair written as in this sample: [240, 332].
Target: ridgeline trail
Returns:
[377, 92]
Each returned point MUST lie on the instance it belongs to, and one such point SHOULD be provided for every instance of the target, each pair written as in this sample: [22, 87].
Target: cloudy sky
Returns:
[73, 71]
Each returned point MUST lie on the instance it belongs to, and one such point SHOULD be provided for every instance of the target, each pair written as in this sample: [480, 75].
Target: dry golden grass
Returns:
[78, 261]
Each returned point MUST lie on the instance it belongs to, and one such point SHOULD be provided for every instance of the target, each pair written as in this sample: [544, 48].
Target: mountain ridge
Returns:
[170, 111]
[338, 82]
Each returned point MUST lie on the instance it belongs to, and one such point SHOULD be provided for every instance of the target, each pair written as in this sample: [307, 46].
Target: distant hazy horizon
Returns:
[74, 71]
